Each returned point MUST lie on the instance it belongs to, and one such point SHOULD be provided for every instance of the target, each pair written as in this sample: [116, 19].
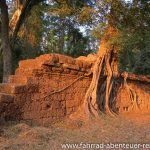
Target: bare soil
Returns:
[26, 136]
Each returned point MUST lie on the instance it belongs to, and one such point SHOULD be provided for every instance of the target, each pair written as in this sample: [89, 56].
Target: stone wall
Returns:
[46, 89]
[52, 86]
[141, 96]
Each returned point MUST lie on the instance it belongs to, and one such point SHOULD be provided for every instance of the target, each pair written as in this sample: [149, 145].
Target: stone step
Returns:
[20, 79]
[24, 72]
[30, 63]
[28, 72]
[11, 88]
[6, 98]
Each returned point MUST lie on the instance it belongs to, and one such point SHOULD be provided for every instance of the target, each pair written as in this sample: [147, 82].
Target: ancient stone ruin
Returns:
[51, 87]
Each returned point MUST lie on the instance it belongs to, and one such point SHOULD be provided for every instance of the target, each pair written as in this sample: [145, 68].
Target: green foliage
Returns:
[135, 52]
[29, 38]
[61, 36]
[54, 27]
[132, 21]
[134, 39]
[85, 15]
[73, 27]
[62, 23]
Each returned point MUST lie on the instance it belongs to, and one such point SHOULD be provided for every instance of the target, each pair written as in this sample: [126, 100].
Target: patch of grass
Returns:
[11, 132]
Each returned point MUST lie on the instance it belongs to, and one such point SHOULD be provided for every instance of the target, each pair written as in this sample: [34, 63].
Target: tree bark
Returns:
[101, 92]
[18, 17]
[7, 53]
[23, 9]
[104, 85]
[10, 30]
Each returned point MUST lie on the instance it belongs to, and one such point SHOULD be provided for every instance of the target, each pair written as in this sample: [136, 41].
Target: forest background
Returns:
[76, 27]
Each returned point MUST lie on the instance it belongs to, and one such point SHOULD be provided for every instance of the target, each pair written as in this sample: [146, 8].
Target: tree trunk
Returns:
[18, 18]
[7, 53]
[23, 9]
[101, 92]
[9, 30]
[104, 85]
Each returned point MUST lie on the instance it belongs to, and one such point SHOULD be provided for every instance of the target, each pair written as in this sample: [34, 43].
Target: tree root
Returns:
[132, 94]
[109, 83]
[90, 102]
[64, 88]
[93, 101]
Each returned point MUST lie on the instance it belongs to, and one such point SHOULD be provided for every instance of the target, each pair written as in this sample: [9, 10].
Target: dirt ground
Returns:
[25, 136]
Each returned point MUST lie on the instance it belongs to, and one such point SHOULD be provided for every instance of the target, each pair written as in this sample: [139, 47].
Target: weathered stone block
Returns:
[12, 88]
[70, 66]
[6, 98]
[52, 60]
[87, 64]
[71, 103]
[20, 79]
[74, 72]
[26, 63]
[69, 110]
[47, 92]
[66, 71]
[57, 69]
[79, 63]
